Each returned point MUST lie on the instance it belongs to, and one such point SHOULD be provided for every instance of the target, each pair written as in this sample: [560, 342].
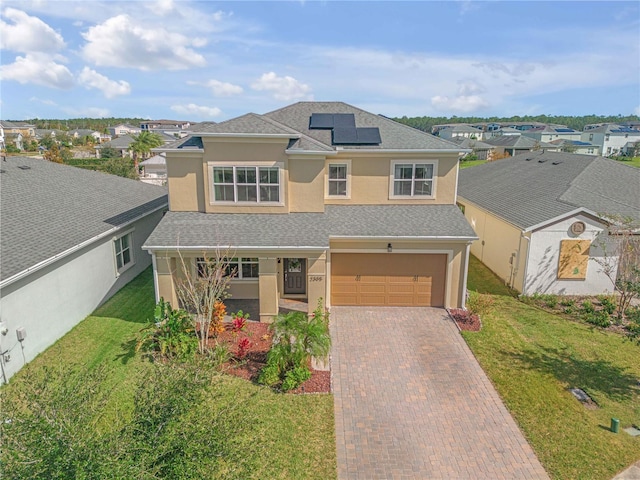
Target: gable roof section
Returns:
[50, 208]
[196, 230]
[466, 142]
[517, 141]
[527, 193]
[394, 135]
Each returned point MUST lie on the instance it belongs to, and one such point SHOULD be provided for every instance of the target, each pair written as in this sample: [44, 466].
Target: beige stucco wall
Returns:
[498, 244]
[456, 251]
[306, 184]
[370, 177]
[186, 182]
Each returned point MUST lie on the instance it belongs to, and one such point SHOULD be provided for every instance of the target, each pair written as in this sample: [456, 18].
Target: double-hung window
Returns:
[338, 177]
[246, 184]
[123, 250]
[412, 180]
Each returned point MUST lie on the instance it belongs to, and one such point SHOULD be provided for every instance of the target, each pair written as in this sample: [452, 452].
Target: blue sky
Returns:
[217, 60]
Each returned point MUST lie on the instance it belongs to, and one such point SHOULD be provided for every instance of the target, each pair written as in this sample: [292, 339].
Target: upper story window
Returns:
[124, 254]
[245, 184]
[338, 179]
[412, 180]
[606, 137]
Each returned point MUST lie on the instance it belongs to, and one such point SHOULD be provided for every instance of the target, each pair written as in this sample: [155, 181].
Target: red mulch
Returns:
[256, 357]
[465, 320]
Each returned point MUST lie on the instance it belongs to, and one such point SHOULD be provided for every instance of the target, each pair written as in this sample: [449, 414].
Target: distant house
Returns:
[14, 139]
[154, 170]
[165, 124]
[549, 134]
[515, 144]
[26, 129]
[611, 138]
[70, 239]
[121, 144]
[576, 146]
[542, 222]
[84, 132]
[123, 129]
[461, 130]
[480, 149]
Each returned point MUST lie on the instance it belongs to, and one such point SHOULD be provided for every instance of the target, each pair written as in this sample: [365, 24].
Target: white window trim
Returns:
[410, 161]
[326, 180]
[279, 165]
[238, 277]
[131, 251]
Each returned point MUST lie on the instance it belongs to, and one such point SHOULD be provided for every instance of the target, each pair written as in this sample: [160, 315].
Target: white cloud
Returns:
[220, 89]
[197, 110]
[39, 69]
[28, 34]
[123, 42]
[110, 88]
[283, 88]
[461, 103]
[44, 101]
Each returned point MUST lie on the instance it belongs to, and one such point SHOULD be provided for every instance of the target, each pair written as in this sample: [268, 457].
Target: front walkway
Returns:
[411, 401]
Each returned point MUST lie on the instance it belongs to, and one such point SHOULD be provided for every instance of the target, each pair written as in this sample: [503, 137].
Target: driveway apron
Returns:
[411, 401]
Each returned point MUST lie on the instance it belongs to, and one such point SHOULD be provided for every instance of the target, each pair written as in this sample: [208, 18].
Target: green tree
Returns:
[48, 141]
[143, 143]
[109, 152]
[122, 167]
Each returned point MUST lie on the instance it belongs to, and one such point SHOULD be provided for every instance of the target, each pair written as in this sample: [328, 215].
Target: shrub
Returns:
[269, 375]
[479, 304]
[568, 302]
[220, 354]
[587, 307]
[243, 347]
[608, 304]
[551, 301]
[172, 334]
[600, 319]
[295, 377]
[569, 309]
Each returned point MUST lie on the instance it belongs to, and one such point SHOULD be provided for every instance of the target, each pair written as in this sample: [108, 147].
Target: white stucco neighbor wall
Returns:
[51, 301]
[542, 265]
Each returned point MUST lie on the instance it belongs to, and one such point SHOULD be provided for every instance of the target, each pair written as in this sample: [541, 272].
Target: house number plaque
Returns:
[315, 278]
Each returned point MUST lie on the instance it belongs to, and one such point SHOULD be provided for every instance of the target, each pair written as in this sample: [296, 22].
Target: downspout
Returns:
[155, 276]
[526, 263]
[466, 272]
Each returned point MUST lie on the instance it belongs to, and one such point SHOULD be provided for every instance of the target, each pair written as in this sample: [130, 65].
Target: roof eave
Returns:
[406, 150]
[310, 152]
[247, 135]
[450, 238]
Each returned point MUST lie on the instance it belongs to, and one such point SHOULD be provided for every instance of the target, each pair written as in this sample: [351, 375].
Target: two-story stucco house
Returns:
[317, 200]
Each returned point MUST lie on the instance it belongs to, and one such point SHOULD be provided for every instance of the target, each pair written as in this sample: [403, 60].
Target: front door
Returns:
[295, 276]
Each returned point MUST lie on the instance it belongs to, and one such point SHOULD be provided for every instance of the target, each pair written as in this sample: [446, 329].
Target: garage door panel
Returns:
[388, 279]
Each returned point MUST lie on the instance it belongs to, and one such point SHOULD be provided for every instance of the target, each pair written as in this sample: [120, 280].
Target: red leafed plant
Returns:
[238, 324]
[243, 347]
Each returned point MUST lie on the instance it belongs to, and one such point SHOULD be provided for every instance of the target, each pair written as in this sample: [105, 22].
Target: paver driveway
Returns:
[411, 401]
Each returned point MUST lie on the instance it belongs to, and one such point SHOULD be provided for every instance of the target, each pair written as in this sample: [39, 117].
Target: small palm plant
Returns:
[296, 338]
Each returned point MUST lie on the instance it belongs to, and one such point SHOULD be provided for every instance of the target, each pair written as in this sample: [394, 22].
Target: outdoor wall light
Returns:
[389, 248]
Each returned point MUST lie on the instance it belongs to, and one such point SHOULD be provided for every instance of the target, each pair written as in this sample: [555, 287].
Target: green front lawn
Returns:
[633, 161]
[145, 420]
[533, 357]
[471, 163]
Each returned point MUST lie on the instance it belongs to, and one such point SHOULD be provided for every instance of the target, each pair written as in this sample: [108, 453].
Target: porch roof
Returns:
[313, 230]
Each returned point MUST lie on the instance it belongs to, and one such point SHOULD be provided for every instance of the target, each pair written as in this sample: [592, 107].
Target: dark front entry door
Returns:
[295, 275]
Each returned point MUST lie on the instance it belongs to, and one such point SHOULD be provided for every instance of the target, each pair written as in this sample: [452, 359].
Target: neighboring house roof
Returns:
[159, 159]
[465, 142]
[294, 120]
[577, 143]
[612, 128]
[517, 141]
[7, 124]
[510, 130]
[119, 143]
[533, 188]
[48, 208]
[83, 132]
[196, 127]
[463, 128]
[313, 230]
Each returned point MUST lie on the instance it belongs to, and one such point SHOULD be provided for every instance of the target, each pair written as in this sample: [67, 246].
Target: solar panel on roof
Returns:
[344, 120]
[321, 121]
[344, 136]
[564, 130]
[368, 135]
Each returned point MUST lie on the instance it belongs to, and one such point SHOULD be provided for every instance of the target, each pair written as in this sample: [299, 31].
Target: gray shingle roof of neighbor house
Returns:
[533, 188]
[48, 208]
[465, 142]
[313, 230]
[294, 120]
[122, 142]
[517, 141]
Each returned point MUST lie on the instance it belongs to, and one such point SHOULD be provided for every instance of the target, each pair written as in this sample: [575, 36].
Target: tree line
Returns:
[576, 122]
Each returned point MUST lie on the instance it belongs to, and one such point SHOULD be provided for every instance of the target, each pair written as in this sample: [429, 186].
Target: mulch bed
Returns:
[256, 357]
[465, 320]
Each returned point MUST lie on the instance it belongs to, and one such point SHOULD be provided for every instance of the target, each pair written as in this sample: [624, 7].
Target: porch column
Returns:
[268, 288]
[316, 281]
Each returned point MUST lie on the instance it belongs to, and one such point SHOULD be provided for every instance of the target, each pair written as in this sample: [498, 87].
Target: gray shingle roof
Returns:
[517, 141]
[195, 229]
[395, 136]
[527, 192]
[465, 142]
[118, 143]
[50, 208]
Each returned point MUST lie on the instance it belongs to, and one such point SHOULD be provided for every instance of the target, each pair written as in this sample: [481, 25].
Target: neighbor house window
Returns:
[239, 268]
[246, 184]
[338, 179]
[124, 253]
[412, 180]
